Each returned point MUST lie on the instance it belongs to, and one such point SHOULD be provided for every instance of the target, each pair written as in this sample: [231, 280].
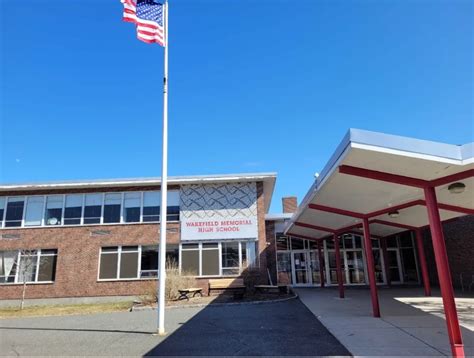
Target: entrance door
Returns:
[300, 268]
[315, 274]
[394, 266]
[354, 267]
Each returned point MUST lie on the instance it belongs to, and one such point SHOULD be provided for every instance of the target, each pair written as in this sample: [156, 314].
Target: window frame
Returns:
[39, 254]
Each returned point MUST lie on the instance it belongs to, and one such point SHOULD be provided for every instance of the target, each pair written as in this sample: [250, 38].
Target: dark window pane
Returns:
[297, 244]
[209, 245]
[405, 239]
[210, 262]
[47, 268]
[129, 265]
[190, 262]
[151, 213]
[348, 242]
[1, 216]
[129, 248]
[110, 249]
[149, 261]
[112, 213]
[72, 216]
[108, 266]
[92, 214]
[282, 242]
[330, 244]
[14, 213]
[172, 213]
[410, 274]
[132, 215]
[358, 242]
[392, 242]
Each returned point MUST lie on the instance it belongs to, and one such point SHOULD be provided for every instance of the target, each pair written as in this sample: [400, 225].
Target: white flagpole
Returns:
[164, 188]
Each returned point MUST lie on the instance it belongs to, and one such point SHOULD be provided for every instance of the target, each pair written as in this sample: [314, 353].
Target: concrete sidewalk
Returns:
[411, 324]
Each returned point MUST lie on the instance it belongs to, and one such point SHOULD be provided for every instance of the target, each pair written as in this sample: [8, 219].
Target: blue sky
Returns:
[254, 85]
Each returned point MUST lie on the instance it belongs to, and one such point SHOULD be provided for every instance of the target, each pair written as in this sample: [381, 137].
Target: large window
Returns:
[130, 262]
[112, 205]
[132, 205]
[93, 208]
[28, 266]
[14, 214]
[227, 258]
[151, 206]
[54, 210]
[86, 209]
[34, 211]
[73, 209]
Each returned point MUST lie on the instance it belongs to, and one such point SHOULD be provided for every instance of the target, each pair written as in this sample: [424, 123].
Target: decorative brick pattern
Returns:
[290, 204]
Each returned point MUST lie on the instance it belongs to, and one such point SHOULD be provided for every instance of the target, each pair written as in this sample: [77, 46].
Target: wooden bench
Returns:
[234, 284]
[271, 288]
[183, 293]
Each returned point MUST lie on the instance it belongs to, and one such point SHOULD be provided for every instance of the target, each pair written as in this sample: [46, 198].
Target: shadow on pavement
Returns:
[282, 328]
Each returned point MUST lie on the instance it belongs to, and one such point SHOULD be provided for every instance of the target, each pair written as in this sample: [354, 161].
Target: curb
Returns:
[196, 305]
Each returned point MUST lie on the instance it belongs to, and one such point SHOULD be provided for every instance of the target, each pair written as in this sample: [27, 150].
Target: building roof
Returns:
[339, 186]
[268, 180]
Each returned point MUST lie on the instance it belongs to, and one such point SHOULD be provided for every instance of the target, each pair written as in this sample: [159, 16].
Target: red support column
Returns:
[338, 266]
[383, 245]
[422, 260]
[370, 268]
[321, 264]
[444, 274]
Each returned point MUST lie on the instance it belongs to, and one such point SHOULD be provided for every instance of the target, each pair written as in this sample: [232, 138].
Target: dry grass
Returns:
[62, 310]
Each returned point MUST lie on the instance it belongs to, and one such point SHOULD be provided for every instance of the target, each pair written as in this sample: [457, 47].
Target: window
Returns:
[131, 210]
[129, 262]
[93, 208]
[112, 206]
[14, 214]
[151, 206]
[297, 244]
[282, 242]
[54, 210]
[149, 261]
[28, 266]
[34, 211]
[230, 258]
[172, 256]
[210, 259]
[73, 209]
[250, 253]
[173, 206]
[2, 210]
[108, 263]
[190, 260]
[8, 266]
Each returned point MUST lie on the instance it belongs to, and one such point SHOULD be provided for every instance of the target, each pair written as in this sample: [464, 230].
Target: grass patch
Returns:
[61, 310]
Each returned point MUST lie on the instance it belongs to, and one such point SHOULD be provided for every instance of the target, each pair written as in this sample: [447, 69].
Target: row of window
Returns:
[347, 241]
[79, 209]
[196, 259]
[28, 266]
[136, 262]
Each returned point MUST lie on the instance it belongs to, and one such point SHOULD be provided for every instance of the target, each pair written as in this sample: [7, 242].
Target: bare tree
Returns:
[26, 265]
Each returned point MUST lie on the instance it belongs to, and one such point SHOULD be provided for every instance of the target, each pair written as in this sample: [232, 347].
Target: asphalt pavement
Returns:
[284, 328]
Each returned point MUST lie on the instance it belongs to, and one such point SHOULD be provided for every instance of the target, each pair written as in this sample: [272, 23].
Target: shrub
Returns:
[174, 282]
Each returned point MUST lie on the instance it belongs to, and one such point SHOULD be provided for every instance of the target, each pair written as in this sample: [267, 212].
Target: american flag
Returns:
[148, 16]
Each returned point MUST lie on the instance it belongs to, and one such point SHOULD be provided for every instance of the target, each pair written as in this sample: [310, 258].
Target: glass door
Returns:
[394, 266]
[354, 267]
[300, 268]
[315, 274]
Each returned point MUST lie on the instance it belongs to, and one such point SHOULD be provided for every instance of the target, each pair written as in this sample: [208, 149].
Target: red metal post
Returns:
[383, 246]
[422, 260]
[321, 264]
[338, 266]
[444, 274]
[371, 268]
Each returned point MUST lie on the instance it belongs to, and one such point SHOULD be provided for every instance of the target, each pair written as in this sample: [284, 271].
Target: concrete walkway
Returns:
[411, 324]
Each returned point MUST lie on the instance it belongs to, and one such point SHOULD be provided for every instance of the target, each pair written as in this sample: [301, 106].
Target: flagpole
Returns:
[164, 188]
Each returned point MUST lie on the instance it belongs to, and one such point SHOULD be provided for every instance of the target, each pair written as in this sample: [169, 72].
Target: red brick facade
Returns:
[290, 204]
[79, 250]
[459, 238]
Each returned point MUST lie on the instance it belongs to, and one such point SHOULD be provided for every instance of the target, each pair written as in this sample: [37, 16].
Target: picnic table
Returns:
[184, 293]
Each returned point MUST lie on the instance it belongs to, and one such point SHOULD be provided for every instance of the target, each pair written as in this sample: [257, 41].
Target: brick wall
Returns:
[79, 251]
[459, 238]
[289, 204]
[271, 250]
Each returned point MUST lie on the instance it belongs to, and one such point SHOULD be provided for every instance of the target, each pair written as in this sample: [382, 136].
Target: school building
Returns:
[386, 210]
